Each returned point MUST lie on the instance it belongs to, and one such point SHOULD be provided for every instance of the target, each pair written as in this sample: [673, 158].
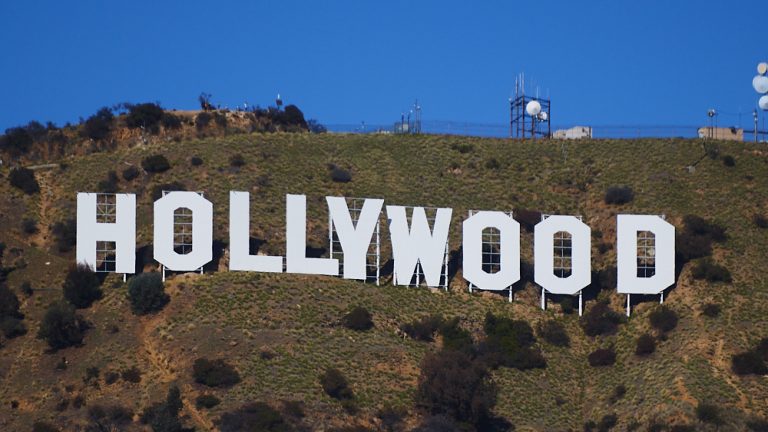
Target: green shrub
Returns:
[711, 310]
[196, 161]
[24, 179]
[256, 416]
[206, 401]
[707, 269]
[214, 373]
[61, 327]
[335, 384]
[81, 286]
[554, 333]
[663, 319]
[709, 413]
[729, 161]
[454, 384]
[619, 195]
[131, 375]
[602, 357]
[65, 235]
[454, 337]
[760, 221]
[237, 161]
[170, 121]
[98, 126]
[339, 175]
[130, 173]
[16, 141]
[423, 329]
[145, 115]
[645, 345]
[600, 319]
[146, 293]
[155, 164]
[202, 120]
[29, 226]
[510, 343]
[358, 319]
[41, 426]
[12, 327]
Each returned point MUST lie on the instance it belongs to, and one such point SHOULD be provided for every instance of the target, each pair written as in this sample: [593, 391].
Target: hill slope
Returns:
[281, 331]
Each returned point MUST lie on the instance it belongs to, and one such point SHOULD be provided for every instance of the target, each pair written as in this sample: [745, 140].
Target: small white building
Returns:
[576, 132]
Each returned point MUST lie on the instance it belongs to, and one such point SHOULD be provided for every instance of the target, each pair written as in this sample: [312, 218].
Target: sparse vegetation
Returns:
[510, 343]
[423, 329]
[256, 416]
[707, 269]
[711, 310]
[554, 333]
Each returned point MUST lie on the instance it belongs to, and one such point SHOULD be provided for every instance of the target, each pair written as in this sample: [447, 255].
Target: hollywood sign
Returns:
[415, 244]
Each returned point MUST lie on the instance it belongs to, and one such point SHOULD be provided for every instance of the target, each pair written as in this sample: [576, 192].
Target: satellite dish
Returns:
[763, 103]
[543, 116]
[762, 68]
[533, 108]
[760, 83]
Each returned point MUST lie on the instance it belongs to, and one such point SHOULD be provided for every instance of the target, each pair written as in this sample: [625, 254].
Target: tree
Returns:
[99, 125]
[146, 293]
[646, 345]
[81, 286]
[256, 416]
[61, 326]
[663, 319]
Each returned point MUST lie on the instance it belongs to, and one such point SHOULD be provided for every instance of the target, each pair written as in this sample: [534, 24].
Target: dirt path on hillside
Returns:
[44, 209]
[162, 364]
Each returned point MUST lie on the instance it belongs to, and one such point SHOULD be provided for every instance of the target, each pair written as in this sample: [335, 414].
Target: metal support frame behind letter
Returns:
[355, 206]
[492, 241]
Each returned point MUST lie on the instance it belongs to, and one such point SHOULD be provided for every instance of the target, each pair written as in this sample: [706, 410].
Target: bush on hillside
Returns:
[257, 416]
[110, 417]
[510, 343]
[423, 329]
[16, 141]
[711, 310]
[130, 173]
[754, 361]
[454, 337]
[707, 269]
[645, 345]
[454, 384]
[709, 413]
[157, 191]
[170, 121]
[600, 319]
[196, 161]
[98, 126]
[663, 319]
[146, 293]
[144, 115]
[335, 384]
[206, 401]
[65, 235]
[602, 357]
[61, 327]
[155, 164]
[554, 333]
[619, 195]
[358, 319]
[214, 373]
[131, 375]
[202, 120]
[340, 175]
[24, 179]
[699, 226]
[81, 286]
[109, 185]
[29, 226]
[729, 161]
[237, 161]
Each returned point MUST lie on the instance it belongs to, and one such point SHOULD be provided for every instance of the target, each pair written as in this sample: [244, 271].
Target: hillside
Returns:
[281, 331]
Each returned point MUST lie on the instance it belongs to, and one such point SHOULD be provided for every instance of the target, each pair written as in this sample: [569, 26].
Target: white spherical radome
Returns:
[533, 108]
[763, 103]
[760, 83]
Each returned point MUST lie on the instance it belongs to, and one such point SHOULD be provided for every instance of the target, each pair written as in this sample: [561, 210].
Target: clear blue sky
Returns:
[604, 63]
